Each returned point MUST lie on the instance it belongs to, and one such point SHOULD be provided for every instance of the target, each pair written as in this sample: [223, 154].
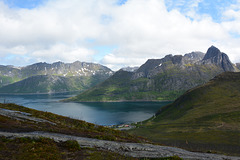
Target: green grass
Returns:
[47, 149]
[205, 118]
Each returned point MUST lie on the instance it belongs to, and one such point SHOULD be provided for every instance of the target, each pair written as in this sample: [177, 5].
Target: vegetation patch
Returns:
[47, 149]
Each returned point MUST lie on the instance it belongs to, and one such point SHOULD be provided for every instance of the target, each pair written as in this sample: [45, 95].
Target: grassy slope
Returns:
[114, 88]
[49, 83]
[204, 118]
[47, 149]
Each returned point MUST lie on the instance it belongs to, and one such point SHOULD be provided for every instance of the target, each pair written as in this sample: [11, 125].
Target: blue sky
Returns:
[213, 8]
[28, 4]
[115, 33]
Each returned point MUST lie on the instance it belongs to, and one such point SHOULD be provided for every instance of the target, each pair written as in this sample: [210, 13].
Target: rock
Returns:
[215, 56]
[137, 150]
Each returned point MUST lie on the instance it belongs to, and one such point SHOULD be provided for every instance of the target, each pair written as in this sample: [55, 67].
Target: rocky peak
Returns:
[193, 57]
[215, 56]
[212, 52]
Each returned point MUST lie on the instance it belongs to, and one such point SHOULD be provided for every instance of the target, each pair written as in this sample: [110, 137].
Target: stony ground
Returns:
[127, 149]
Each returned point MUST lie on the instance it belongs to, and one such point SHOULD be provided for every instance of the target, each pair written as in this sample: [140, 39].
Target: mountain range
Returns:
[205, 118]
[161, 79]
[51, 78]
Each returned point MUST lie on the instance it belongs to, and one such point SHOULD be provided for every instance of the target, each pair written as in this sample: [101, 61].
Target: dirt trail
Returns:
[128, 149]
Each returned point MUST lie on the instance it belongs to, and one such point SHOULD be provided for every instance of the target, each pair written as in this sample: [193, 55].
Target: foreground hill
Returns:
[48, 78]
[205, 118]
[29, 134]
[16, 119]
[161, 79]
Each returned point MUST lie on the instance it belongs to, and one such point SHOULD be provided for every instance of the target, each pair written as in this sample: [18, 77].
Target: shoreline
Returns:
[39, 93]
[118, 101]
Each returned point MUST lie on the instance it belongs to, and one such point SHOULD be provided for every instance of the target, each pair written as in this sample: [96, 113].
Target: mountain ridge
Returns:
[73, 76]
[161, 79]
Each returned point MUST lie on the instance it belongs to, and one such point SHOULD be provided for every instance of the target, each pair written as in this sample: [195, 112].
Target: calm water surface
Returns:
[98, 113]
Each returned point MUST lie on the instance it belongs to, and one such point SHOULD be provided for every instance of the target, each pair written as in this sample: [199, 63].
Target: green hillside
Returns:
[51, 84]
[205, 118]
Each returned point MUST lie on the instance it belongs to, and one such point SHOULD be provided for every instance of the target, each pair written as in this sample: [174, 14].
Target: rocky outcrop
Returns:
[22, 116]
[128, 149]
[155, 66]
[215, 56]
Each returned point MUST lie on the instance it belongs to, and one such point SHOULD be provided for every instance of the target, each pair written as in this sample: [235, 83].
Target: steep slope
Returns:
[163, 79]
[56, 77]
[8, 75]
[48, 84]
[114, 88]
[204, 118]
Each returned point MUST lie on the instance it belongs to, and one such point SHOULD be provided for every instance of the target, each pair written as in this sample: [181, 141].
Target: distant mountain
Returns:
[71, 76]
[161, 79]
[130, 69]
[205, 118]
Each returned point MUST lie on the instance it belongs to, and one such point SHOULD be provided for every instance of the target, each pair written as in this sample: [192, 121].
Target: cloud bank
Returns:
[62, 30]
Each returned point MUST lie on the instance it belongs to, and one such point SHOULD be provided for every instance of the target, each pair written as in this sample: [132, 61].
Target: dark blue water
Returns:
[98, 113]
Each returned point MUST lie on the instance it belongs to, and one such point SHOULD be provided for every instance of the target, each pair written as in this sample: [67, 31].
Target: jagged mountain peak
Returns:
[212, 52]
[215, 56]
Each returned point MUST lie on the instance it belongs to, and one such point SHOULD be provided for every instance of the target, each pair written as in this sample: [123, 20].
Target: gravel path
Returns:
[128, 149]
[22, 116]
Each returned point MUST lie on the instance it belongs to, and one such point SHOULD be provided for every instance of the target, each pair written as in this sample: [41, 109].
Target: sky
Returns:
[115, 33]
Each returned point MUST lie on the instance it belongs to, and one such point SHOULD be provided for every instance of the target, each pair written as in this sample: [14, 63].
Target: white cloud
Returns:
[141, 29]
[65, 53]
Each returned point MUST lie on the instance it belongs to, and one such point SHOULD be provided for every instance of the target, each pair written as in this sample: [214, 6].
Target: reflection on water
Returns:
[98, 113]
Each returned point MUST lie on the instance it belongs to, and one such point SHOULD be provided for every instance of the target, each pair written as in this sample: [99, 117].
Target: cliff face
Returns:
[72, 76]
[214, 56]
[166, 78]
